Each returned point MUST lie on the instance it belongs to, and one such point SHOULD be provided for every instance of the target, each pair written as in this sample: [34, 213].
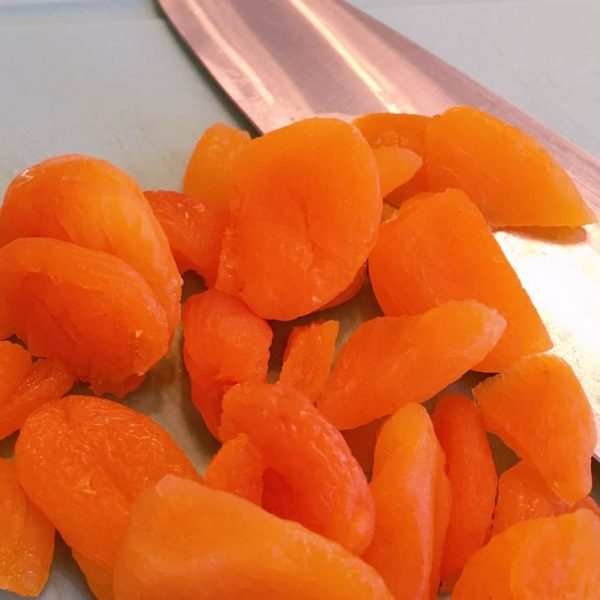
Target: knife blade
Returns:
[284, 60]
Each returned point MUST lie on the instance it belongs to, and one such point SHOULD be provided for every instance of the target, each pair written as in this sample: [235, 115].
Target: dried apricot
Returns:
[361, 441]
[412, 504]
[89, 202]
[295, 242]
[15, 365]
[308, 356]
[395, 166]
[349, 292]
[472, 474]
[224, 344]
[27, 541]
[84, 460]
[328, 490]
[506, 172]
[392, 361]
[552, 557]
[101, 319]
[439, 248]
[237, 551]
[540, 410]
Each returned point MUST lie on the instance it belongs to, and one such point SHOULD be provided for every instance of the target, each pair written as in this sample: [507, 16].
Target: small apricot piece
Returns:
[237, 468]
[308, 356]
[412, 504]
[523, 495]
[86, 308]
[506, 172]
[27, 540]
[209, 173]
[224, 344]
[327, 489]
[473, 480]
[396, 166]
[237, 550]
[539, 409]
[194, 228]
[304, 218]
[89, 202]
[439, 248]
[551, 557]
[391, 361]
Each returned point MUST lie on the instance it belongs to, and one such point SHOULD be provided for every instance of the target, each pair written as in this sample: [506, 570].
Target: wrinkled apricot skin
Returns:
[324, 488]
[209, 175]
[224, 344]
[396, 166]
[396, 360]
[237, 468]
[27, 540]
[552, 557]
[101, 319]
[412, 504]
[506, 172]
[84, 460]
[540, 410]
[308, 357]
[472, 475]
[295, 242]
[439, 248]
[237, 551]
[523, 495]
[89, 202]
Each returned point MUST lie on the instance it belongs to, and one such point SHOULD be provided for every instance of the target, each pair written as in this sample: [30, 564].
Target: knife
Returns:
[285, 60]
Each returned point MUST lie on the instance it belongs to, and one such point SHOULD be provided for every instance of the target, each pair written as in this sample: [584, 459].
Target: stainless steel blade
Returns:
[283, 60]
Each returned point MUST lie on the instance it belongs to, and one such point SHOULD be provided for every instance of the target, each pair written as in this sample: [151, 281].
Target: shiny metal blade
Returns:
[283, 60]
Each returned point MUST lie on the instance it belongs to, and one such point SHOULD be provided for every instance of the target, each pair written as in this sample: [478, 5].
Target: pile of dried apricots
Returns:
[333, 482]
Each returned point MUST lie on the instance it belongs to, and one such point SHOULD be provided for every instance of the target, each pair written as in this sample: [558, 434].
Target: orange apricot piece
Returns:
[506, 172]
[100, 319]
[237, 468]
[224, 344]
[539, 409]
[523, 495]
[194, 228]
[551, 557]
[395, 166]
[27, 541]
[209, 173]
[238, 551]
[421, 261]
[15, 365]
[83, 461]
[349, 292]
[99, 579]
[308, 356]
[294, 242]
[89, 202]
[473, 480]
[361, 441]
[391, 361]
[328, 490]
[412, 504]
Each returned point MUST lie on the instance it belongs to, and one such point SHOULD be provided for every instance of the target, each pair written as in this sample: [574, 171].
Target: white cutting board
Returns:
[109, 78]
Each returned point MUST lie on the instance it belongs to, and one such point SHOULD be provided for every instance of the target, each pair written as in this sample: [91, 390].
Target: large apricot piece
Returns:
[194, 228]
[27, 540]
[523, 495]
[86, 308]
[89, 202]
[304, 219]
[326, 489]
[84, 460]
[209, 173]
[224, 344]
[308, 356]
[506, 172]
[391, 361]
[439, 248]
[552, 557]
[237, 551]
[412, 504]
[540, 410]
[472, 474]
[351, 290]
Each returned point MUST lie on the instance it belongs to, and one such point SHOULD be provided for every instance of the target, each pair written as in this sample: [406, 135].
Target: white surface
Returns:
[110, 79]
